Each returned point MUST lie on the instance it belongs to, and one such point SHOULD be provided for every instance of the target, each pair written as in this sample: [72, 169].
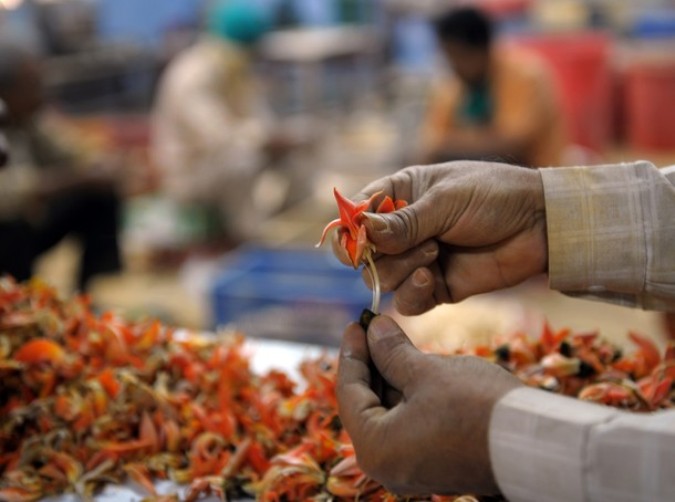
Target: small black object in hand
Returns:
[366, 318]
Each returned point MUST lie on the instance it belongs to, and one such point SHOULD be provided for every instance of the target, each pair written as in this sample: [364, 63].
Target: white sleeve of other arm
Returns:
[611, 233]
[550, 448]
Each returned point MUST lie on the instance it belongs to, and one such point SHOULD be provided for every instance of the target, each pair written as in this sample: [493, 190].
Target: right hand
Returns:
[428, 431]
[469, 228]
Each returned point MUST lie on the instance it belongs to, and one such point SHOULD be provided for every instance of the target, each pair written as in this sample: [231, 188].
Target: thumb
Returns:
[403, 229]
[392, 352]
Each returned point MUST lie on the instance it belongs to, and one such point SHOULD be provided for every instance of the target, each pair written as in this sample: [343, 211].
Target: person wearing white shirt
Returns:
[214, 134]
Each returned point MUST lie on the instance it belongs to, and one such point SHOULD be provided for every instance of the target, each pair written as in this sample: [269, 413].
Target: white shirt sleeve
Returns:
[550, 448]
[611, 233]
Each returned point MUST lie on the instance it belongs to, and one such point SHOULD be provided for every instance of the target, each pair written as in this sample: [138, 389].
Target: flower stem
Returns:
[372, 270]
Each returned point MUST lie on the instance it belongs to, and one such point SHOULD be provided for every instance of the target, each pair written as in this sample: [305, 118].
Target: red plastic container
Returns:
[580, 62]
[504, 8]
[650, 105]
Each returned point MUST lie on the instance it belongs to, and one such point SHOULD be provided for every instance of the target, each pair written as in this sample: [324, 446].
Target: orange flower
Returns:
[40, 350]
[354, 238]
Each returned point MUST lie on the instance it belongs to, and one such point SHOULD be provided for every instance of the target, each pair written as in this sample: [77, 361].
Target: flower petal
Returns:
[333, 224]
[355, 238]
[361, 245]
[347, 210]
[351, 214]
[40, 350]
[350, 246]
[386, 206]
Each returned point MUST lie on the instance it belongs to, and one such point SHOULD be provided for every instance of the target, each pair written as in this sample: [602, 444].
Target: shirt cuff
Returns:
[538, 445]
[595, 225]
[632, 458]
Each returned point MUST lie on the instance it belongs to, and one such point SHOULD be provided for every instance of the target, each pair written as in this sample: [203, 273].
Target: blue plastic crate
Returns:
[657, 24]
[301, 295]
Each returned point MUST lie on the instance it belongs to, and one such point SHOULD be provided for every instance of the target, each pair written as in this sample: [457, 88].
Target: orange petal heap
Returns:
[78, 415]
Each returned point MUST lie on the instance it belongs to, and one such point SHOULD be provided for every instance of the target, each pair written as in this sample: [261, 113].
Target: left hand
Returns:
[427, 430]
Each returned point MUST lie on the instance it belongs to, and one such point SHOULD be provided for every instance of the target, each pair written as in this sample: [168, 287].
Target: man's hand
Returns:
[427, 430]
[469, 228]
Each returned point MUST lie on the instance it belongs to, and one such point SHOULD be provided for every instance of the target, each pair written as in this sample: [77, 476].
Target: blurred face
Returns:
[471, 64]
[25, 97]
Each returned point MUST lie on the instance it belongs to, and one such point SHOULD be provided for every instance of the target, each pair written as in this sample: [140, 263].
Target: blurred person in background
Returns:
[4, 146]
[213, 133]
[48, 190]
[499, 104]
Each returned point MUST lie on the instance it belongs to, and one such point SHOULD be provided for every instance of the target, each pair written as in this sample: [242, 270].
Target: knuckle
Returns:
[412, 302]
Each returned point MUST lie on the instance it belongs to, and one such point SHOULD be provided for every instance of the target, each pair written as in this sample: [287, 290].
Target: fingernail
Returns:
[430, 249]
[420, 279]
[377, 223]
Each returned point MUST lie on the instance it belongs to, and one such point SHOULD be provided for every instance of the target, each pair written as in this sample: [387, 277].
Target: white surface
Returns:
[313, 45]
[286, 356]
[265, 355]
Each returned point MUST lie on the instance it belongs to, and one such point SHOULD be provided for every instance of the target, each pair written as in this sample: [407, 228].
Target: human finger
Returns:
[356, 400]
[394, 269]
[405, 228]
[392, 352]
[416, 294]
[397, 186]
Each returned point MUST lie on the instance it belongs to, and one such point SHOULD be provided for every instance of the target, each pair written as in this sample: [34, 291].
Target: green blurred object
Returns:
[477, 107]
[238, 21]
[153, 221]
[349, 11]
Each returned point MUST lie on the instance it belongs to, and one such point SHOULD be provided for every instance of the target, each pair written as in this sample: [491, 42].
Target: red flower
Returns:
[354, 238]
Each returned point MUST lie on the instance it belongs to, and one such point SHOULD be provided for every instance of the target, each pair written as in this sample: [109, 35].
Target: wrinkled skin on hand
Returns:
[426, 430]
[469, 228]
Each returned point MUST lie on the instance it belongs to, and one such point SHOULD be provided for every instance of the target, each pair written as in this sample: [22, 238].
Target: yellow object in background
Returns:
[561, 14]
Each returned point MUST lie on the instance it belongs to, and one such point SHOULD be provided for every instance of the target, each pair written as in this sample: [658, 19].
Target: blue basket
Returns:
[299, 295]
[656, 24]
